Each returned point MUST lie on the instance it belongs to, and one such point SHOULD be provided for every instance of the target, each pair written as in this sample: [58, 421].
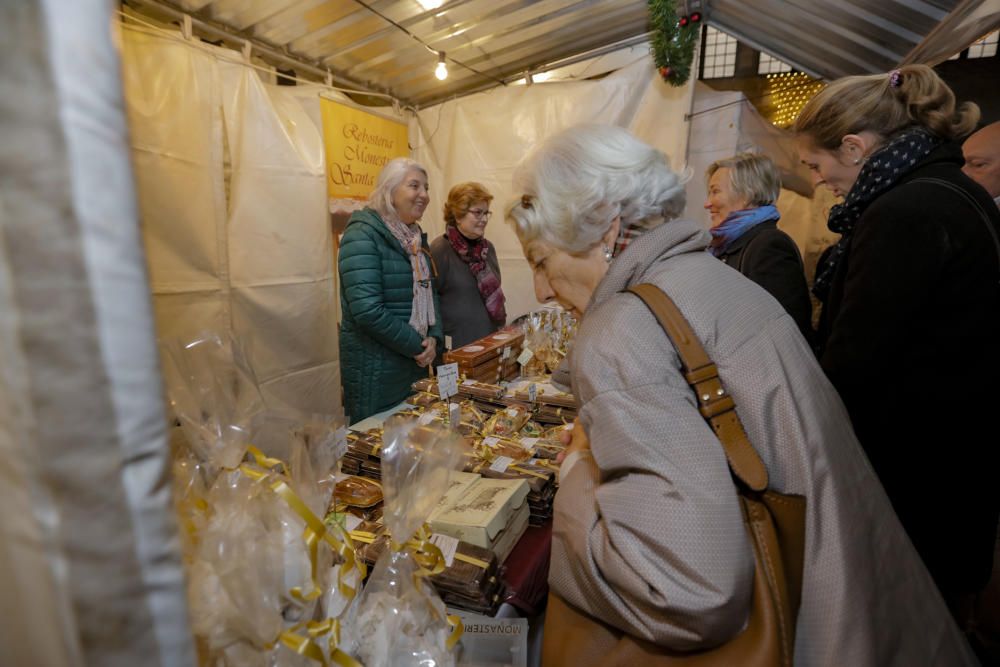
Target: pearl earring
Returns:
[857, 160]
[607, 254]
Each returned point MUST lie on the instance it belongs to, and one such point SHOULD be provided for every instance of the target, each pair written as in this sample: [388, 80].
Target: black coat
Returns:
[770, 258]
[910, 337]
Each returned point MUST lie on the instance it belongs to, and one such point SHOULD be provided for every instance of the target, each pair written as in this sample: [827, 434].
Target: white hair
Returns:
[577, 181]
[389, 178]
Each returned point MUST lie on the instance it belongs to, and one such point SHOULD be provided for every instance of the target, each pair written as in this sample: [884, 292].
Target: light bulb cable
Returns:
[441, 54]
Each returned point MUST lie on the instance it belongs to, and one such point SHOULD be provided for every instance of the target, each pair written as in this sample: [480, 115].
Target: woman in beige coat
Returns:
[648, 536]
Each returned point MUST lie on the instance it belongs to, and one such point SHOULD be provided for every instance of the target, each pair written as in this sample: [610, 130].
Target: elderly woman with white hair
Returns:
[391, 327]
[650, 554]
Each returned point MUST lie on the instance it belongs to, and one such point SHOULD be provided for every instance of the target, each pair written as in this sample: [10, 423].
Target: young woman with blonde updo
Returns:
[911, 307]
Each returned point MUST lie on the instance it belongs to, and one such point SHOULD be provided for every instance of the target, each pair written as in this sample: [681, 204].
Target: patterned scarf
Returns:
[474, 254]
[737, 224]
[409, 236]
[881, 172]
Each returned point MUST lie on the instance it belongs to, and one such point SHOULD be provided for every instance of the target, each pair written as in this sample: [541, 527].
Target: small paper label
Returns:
[511, 412]
[569, 426]
[506, 352]
[351, 522]
[448, 380]
[455, 413]
[447, 342]
[526, 355]
[447, 544]
[491, 441]
[427, 417]
[340, 442]
[532, 392]
[468, 383]
[528, 443]
[501, 463]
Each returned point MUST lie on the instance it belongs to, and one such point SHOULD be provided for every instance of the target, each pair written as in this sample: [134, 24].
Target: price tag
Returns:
[501, 463]
[506, 352]
[427, 417]
[526, 355]
[447, 342]
[448, 546]
[532, 392]
[448, 380]
[491, 441]
[468, 383]
[528, 443]
[454, 414]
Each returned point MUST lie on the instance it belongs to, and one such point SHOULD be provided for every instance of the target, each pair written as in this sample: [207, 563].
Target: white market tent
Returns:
[102, 128]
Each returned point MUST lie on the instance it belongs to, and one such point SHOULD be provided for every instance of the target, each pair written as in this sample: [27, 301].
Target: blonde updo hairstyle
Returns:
[461, 198]
[854, 104]
[576, 182]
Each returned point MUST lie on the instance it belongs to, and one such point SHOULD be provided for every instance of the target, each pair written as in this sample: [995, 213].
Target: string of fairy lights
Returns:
[789, 92]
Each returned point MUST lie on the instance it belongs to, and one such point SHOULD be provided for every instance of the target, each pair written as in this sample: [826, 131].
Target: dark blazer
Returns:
[770, 258]
[463, 312]
[377, 343]
[910, 337]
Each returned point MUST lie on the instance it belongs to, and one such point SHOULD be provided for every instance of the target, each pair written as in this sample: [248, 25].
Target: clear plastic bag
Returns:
[214, 394]
[400, 619]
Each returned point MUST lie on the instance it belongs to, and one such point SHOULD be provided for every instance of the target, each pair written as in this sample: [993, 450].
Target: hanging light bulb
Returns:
[441, 71]
[429, 4]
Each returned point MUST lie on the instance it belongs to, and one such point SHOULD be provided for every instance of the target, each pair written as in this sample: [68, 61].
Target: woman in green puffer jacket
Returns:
[391, 324]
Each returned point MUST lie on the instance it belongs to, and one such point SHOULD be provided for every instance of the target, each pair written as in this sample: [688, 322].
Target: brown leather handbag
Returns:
[775, 523]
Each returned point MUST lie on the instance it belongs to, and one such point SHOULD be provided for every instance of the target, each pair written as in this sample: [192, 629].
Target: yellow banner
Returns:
[358, 144]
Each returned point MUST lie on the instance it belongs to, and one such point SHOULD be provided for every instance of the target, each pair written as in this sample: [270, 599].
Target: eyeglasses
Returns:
[481, 214]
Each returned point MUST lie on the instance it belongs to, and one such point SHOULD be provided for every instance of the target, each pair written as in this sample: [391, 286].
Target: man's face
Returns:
[982, 158]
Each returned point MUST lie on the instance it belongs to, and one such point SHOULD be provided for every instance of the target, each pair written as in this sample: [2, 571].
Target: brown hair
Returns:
[461, 197]
[885, 104]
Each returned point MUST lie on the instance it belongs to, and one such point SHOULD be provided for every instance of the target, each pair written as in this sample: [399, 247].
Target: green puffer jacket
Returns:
[377, 343]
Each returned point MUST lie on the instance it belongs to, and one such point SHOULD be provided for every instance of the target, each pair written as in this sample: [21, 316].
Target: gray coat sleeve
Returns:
[649, 533]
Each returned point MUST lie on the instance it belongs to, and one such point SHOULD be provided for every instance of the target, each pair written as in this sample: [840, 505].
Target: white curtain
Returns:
[233, 198]
[482, 137]
[90, 571]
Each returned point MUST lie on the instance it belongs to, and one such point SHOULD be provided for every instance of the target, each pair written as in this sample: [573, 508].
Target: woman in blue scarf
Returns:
[741, 194]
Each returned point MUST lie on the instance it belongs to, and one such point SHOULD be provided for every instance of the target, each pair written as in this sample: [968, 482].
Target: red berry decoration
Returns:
[665, 72]
[683, 22]
[696, 17]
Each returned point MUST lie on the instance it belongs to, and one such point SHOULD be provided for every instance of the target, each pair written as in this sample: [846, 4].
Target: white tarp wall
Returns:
[253, 259]
[482, 137]
[724, 123]
[90, 570]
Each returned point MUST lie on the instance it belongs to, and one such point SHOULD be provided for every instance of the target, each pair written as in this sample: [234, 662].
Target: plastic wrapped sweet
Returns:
[400, 619]
[266, 577]
[358, 491]
[506, 423]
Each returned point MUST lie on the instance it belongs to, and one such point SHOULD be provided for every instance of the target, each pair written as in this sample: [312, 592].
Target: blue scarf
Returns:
[737, 224]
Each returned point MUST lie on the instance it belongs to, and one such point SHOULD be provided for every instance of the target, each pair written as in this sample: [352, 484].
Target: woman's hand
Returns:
[576, 440]
[426, 358]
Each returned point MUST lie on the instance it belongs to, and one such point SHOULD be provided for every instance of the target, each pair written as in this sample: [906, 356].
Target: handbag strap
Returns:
[715, 405]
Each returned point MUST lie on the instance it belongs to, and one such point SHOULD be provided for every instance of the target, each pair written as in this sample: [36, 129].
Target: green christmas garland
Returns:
[673, 42]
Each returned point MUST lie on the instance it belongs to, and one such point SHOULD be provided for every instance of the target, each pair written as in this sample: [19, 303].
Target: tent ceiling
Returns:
[503, 39]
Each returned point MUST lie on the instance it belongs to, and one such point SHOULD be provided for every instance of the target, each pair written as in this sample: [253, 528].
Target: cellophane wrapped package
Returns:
[400, 620]
[267, 579]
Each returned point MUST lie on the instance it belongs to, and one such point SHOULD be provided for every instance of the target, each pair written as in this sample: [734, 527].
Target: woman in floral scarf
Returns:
[472, 303]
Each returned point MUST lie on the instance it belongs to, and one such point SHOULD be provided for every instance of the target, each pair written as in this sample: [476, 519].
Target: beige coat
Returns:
[648, 535]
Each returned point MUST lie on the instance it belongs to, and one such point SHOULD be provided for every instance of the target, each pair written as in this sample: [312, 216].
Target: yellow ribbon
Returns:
[456, 631]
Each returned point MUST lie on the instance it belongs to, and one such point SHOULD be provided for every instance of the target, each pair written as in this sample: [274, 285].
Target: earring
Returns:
[857, 160]
[607, 254]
